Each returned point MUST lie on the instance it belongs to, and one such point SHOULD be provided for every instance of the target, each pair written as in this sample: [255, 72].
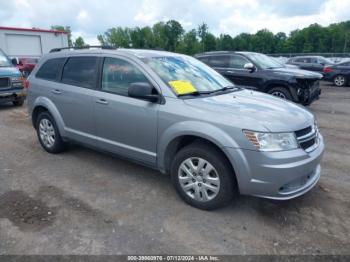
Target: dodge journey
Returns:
[173, 113]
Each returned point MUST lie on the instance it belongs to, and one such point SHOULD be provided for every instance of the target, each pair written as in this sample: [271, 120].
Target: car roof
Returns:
[224, 52]
[307, 56]
[139, 53]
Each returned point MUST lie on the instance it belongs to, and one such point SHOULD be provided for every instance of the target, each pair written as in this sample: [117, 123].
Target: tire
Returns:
[280, 92]
[18, 102]
[339, 81]
[52, 141]
[221, 178]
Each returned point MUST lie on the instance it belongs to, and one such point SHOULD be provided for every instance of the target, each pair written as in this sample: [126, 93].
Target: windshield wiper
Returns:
[224, 89]
[198, 93]
[195, 93]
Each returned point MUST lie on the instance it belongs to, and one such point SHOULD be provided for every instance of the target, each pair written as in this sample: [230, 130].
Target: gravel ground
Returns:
[86, 202]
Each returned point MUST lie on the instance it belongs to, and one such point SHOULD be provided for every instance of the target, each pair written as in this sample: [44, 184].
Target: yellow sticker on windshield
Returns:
[182, 87]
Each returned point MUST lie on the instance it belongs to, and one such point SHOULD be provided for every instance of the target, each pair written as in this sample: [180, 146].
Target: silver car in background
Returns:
[175, 114]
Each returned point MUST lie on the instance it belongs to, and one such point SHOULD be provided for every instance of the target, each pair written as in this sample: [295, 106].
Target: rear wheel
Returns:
[339, 80]
[203, 177]
[48, 134]
[280, 92]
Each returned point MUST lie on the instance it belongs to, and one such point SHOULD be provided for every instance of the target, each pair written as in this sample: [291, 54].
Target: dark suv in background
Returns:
[262, 73]
[311, 63]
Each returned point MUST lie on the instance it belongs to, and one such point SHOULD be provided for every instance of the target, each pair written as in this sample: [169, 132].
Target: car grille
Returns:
[308, 138]
[4, 82]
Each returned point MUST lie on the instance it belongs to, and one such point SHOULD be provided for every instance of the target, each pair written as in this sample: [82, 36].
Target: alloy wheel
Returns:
[47, 132]
[199, 179]
[279, 94]
[339, 81]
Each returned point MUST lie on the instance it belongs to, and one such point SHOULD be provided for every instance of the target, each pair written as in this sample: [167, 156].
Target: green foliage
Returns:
[64, 28]
[172, 37]
[79, 42]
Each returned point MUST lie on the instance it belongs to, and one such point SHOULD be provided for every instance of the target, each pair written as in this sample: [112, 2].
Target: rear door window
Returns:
[219, 61]
[51, 69]
[80, 71]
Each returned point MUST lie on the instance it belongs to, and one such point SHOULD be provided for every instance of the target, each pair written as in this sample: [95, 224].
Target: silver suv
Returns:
[173, 113]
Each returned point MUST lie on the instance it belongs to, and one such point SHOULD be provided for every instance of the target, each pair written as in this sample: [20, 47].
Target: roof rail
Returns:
[83, 47]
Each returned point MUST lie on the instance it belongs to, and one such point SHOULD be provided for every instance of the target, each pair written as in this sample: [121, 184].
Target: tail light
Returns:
[26, 83]
[327, 69]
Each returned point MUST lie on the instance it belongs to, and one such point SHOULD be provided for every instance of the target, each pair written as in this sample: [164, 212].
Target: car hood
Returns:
[9, 71]
[297, 73]
[254, 110]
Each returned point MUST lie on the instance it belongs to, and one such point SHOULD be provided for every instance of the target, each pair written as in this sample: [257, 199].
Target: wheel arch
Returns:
[182, 141]
[183, 134]
[42, 104]
[291, 90]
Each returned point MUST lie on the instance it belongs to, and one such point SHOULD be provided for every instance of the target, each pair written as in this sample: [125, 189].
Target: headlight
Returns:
[17, 81]
[272, 141]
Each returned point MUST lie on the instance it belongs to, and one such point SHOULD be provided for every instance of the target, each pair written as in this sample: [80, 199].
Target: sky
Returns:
[88, 18]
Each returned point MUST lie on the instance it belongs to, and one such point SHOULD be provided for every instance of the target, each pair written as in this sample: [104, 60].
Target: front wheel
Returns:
[339, 81]
[280, 92]
[203, 177]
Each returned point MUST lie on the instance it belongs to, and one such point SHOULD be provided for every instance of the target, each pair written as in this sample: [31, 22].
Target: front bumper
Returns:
[305, 92]
[13, 94]
[276, 175]
[307, 95]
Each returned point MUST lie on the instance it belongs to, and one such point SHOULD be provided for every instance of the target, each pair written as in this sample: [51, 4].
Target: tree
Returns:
[66, 29]
[159, 35]
[189, 44]
[171, 36]
[225, 42]
[79, 42]
[117, 37]
[173, 32]
[263, 41]
[202, 32]
[209, 42]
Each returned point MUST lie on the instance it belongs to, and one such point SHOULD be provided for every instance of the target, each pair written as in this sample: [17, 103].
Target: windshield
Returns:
[4, 61]
[325, 61]
[187, 75]
[264, 61]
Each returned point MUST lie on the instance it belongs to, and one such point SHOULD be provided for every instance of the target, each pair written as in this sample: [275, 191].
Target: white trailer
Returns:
[30, 43]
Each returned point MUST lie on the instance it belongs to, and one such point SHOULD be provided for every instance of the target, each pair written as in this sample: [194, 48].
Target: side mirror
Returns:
[250, 67]
[14, 61]
[143, 90]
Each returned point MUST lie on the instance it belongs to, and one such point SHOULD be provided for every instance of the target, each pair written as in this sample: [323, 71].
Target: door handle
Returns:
[102, 101]
[230, 72]
[56, 91]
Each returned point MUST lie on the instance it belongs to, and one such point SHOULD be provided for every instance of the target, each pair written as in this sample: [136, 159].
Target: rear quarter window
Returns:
[80, 71]
[51, 69]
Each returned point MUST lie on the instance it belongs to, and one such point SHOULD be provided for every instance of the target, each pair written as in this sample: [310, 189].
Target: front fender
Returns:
[192, 128]
[50, 106]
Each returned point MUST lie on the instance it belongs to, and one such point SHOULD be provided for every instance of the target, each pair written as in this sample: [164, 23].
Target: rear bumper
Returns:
[277, 175]
[328, 77]
[11, 95]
